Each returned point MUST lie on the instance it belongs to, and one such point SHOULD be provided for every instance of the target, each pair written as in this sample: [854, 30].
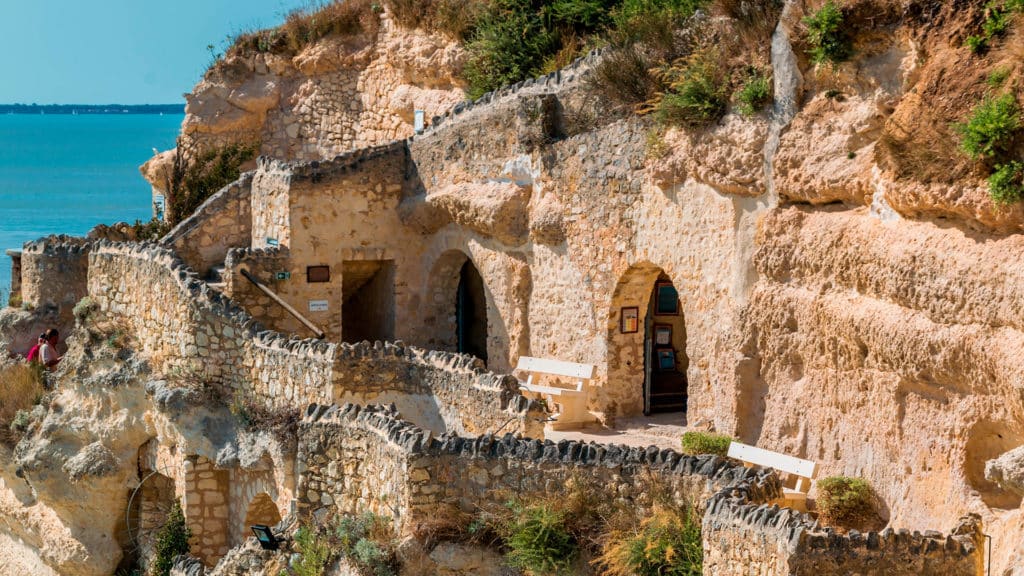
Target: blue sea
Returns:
[63, 174]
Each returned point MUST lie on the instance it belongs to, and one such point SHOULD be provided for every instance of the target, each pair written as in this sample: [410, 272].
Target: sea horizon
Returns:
[64, 173]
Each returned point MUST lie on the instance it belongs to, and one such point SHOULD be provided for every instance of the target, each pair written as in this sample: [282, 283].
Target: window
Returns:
[666, 299]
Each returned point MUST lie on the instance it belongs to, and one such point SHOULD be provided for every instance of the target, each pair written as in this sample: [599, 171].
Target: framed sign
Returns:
[318, 306]
[662, 334]
[629, 320]
[316, 274]
[666, 300]
[666, 360]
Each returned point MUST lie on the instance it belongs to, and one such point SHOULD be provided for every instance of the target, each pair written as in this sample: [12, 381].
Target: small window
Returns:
[667, 300]
[316, 274]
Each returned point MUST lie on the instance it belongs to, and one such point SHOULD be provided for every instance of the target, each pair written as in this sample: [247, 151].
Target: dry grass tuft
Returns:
[21, 388]
[305, 26]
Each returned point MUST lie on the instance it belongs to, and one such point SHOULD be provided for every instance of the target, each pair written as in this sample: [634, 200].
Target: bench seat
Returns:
[569, 404]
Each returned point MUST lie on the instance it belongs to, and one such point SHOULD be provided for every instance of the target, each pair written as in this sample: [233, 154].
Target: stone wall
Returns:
[370, 459]
[222, 222]
[15, 293]
[192, 333]
[748, 538]
[354, 459]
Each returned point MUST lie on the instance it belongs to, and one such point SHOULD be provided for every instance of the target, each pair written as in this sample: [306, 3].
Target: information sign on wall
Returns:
[318, 306]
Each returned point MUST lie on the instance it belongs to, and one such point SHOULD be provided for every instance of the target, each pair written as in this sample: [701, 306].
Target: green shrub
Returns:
[705, 443]
[508, 45]
[84, 309]
[538, 540]
[151, 230]
[991, 127]
[314, 553]
[667, 543]
[1006, 184]
[196, 177]
[977, 44]
[844, 501]
[366, 540]
[171, 540]
[754, 95]
[696, 94]
[828, 41]
[998, 77]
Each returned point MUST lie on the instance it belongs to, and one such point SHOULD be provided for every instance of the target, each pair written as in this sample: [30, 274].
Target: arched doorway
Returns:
[647, 361]
[471, 312]
[261, 510]
[457, 315]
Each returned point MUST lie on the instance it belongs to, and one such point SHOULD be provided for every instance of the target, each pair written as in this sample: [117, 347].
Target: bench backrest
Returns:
[781, 462]
[555, 367]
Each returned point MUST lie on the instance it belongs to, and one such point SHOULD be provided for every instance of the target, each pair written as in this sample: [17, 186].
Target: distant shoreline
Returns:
[111, 109]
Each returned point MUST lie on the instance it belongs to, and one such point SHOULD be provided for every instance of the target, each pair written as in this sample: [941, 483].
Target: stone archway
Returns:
[261, 510]
[645, 374]
[457, 303]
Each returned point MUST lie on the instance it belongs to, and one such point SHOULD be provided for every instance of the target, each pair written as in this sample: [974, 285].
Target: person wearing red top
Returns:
[33, 353]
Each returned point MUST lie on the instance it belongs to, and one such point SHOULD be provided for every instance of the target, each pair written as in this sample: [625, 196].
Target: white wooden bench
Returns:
[569, 404]
[800, 472]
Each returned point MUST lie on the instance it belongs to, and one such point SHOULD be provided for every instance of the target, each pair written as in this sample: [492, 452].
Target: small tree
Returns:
[171, 541]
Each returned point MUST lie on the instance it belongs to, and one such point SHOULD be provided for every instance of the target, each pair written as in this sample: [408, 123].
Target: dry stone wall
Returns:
[192, 333]
[354, 459]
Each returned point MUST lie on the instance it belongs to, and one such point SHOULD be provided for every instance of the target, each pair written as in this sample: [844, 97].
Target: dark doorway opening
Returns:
[471, 312]
[368, 295]
[665, 360]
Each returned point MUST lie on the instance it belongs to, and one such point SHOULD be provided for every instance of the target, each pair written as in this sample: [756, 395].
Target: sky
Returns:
[118, 51]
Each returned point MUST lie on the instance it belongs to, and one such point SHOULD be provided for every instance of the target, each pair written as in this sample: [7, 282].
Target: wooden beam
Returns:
[288, 308]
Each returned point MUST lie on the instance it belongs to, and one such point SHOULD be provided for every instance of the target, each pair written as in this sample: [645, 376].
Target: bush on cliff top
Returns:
[991, 127]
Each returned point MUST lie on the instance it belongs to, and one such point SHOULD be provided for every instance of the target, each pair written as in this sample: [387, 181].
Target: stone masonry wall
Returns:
[369, 458]
[354, 459]
[224, 221]
[743, 537]
[193, 333]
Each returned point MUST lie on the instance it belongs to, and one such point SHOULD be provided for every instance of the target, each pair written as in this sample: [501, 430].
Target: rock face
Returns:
[1008, 471]
[336, 95]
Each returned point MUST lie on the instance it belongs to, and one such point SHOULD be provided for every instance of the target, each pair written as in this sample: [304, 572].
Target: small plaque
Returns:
[318, 306]
[418, 121]
[629, 321]
[283, 275]
[316, 274]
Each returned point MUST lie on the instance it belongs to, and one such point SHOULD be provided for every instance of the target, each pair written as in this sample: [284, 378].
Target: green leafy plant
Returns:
[828, 40]
[694, 443]
[998, 17]
[667, 543]
[538, 539]
[754, 95]
[171, 540]
[989, 131]
[314, 553]
[1006, 184]
[845, 502]
[696, 94]
[196, 176]
[976, 44]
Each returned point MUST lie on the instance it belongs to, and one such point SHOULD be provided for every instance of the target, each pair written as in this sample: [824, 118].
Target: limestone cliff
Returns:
[848, 292]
